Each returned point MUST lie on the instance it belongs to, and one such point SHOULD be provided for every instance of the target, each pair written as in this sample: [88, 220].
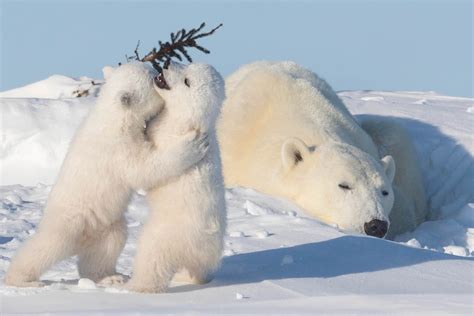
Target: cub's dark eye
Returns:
[344, 186]
[186, 82]
[384, 193]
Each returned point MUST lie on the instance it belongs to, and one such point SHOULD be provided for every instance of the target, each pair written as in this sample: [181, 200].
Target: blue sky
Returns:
[374, 45]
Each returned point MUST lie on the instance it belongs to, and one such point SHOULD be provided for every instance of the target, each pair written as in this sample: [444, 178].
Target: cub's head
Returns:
[129, 93]
[341, 184]
[193, 91]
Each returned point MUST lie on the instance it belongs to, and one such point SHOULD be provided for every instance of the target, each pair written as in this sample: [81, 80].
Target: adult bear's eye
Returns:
[186, 82]
[344, 186]
[384, 193]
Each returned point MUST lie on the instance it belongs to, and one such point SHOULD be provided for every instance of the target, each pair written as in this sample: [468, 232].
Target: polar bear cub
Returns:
[108, 158]
[186, 225]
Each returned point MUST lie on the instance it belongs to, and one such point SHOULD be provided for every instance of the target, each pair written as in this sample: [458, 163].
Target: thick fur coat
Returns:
[109, 157]
[186, 225]
[284, 131]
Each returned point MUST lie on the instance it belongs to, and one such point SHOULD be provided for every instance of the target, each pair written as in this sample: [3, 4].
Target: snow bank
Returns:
[453, 234]
[56, 87]
[35, 136]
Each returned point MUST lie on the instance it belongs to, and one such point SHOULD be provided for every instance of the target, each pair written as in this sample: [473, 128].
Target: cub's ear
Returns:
[107, 71]
[389, 166]
[127, 99]
[293, 152]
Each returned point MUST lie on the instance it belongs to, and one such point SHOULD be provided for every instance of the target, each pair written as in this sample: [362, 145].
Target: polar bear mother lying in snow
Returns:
[284, 131]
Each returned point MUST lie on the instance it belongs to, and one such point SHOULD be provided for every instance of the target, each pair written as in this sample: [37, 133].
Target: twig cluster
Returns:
[176, 48]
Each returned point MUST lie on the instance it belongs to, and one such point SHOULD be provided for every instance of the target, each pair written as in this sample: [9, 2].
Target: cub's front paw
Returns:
[197, 148]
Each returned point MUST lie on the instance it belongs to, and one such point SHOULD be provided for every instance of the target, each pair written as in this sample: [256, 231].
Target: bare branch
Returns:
[136, 51]
[179, 42]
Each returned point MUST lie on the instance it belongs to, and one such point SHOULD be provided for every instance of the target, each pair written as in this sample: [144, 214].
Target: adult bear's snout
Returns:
[376, 228]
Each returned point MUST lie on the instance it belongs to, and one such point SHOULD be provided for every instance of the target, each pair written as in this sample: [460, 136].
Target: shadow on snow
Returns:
[327, 259]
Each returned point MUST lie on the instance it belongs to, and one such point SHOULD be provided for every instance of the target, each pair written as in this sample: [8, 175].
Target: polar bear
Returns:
[108, 158]
[410, 208]
[187, 219]
[284, 131]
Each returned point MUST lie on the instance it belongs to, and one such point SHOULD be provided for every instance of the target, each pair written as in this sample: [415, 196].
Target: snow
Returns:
[277, 259]
[56, 87]
[35, 135]
[453, 235]
[86, 284]
[239, 296]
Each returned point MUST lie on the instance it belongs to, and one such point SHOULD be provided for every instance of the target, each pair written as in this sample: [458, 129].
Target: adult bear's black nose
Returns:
[376, 228]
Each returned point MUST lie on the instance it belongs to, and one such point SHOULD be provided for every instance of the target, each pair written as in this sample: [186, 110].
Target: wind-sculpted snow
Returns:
[299, 260]
[35, 136]
[277, 259]
[56, 87]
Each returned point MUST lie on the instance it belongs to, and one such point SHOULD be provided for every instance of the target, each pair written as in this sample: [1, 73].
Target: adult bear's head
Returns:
[340, 184]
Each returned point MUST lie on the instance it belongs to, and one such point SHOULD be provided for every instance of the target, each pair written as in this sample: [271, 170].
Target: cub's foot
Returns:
[143, 288]
[116, 280]
[184, 276]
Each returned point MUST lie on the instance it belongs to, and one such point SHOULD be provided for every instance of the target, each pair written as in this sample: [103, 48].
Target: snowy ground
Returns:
[277, 259]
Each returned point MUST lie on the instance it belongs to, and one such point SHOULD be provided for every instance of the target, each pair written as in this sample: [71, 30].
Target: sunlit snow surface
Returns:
[277, 259]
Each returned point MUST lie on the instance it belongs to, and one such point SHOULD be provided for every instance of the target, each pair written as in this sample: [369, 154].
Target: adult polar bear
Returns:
[109, 157]
[284, 131]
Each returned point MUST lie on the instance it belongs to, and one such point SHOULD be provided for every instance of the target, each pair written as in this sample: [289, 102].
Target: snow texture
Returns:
[277, 259]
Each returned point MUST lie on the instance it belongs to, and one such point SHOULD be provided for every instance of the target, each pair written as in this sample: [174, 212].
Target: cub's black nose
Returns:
[376, 228]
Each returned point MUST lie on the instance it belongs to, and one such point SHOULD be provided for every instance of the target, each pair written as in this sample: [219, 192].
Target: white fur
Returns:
[186, 225]
[108, 158]
[314, 184]
[410, 207]
[276, 112]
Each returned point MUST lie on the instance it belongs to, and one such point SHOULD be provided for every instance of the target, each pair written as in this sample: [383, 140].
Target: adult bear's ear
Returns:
[293, 152]
[389, 166]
